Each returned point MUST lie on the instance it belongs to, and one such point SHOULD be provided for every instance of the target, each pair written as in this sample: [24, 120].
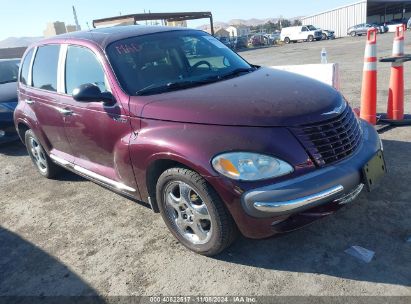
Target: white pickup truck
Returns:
[298, 33]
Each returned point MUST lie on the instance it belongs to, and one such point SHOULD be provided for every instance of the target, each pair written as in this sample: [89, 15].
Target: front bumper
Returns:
[338, 184]
[331, 36]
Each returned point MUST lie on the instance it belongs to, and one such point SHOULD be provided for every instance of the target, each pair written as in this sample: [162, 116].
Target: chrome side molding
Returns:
[59, 160]
[288, 206]
[91, 174]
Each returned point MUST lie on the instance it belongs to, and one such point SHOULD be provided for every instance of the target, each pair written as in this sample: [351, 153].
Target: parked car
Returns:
[257, 40]
[9, 70]
[382, 28]
[361, 29]
[298, 33]
[239, 43]
[327, 34]
[272, 38]
[393, 24]
[214, 144]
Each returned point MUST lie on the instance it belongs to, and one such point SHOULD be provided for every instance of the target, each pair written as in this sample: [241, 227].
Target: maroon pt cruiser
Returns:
[173, 118]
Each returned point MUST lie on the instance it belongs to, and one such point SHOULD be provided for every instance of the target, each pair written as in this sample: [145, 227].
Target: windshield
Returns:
[311, 27]
[175, 60]
[9, 71]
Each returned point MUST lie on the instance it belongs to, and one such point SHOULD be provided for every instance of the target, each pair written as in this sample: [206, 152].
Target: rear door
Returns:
[40, 94]
[99, 134]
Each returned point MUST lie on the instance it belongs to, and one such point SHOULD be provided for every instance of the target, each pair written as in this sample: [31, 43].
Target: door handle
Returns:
[65, 112]
[29, 101]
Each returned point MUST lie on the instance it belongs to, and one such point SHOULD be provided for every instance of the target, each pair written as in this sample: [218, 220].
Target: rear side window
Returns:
[45, 67]
[83, 67]
[24, 76]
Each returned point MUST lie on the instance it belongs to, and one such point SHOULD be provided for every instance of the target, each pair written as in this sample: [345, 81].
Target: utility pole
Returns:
[78, 28]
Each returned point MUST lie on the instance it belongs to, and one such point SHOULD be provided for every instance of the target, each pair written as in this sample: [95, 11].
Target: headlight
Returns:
[250, 166]
[7, 107]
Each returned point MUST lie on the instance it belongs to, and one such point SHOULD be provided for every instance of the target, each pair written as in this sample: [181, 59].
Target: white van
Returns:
[304, 32]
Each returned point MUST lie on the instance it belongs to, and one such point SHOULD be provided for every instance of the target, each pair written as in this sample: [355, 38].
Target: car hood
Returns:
[263, 98]
[8, 92]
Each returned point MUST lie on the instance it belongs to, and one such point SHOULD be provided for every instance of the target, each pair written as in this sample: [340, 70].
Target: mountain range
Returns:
[12, 42]
[26, 41]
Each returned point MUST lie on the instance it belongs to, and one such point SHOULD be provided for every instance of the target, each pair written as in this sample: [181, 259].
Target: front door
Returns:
[99, 134]
[304, 33]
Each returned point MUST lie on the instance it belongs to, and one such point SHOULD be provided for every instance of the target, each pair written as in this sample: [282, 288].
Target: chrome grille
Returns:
[332, 140]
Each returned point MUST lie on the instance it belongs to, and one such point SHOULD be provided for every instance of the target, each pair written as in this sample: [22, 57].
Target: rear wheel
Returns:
[287, 40]
[325, 37]
[193, 212]
[39, 156]
[310, 38]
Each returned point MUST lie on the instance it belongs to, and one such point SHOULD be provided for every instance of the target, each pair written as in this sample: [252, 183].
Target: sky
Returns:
[29, 17]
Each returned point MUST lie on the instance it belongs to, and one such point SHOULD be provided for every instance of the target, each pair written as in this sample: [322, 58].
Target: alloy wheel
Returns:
[38, 155]
[189, 212]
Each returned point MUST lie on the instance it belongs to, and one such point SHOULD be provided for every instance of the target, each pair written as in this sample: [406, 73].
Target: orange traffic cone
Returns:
[369, 81]
[395, 108]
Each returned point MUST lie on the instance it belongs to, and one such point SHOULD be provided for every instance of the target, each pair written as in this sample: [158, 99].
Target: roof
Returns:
[156, 16]
[9, 59]
[334, 9]
[104, 36]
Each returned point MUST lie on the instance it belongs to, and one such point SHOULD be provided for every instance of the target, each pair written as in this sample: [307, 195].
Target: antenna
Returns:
[78, 28]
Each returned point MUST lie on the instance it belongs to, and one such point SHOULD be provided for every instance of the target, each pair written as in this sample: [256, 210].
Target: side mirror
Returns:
[91, 93]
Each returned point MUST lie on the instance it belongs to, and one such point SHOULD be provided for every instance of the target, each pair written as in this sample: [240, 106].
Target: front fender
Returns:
[194, 146]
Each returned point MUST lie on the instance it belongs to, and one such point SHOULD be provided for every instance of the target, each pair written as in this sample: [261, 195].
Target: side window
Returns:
[45, 67]
[83, 67]
[305, 29]
[24, 76]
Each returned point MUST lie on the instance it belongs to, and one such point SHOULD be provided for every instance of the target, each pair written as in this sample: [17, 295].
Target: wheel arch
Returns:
[157, 165]
[22, 128]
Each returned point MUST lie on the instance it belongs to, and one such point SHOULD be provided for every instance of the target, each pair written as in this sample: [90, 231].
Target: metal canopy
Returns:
[387, 7]
[155, 16]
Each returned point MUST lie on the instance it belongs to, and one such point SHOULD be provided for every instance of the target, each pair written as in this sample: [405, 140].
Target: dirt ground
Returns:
[72, 237]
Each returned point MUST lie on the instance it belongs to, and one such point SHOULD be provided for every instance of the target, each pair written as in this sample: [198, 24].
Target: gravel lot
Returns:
[72, 237]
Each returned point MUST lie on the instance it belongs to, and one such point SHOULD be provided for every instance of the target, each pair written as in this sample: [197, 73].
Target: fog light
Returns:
[2, 133]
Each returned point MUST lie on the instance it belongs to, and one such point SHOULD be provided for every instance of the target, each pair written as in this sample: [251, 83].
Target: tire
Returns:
[39, 156]
[310, 38]
[325, 37]
[287, 40]
[193, 212]
[353, 34]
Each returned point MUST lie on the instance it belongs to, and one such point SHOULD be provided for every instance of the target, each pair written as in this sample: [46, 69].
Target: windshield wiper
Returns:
[172, 86]
[237, 72]
[178, 85]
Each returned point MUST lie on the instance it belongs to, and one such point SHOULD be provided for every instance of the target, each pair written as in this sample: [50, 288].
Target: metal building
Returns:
[366, 11]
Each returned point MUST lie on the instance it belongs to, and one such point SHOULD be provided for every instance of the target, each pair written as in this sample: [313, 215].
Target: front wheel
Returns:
[193, 212]
[324, 36]
[353, 34]
[287, 40]
[39, 156]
